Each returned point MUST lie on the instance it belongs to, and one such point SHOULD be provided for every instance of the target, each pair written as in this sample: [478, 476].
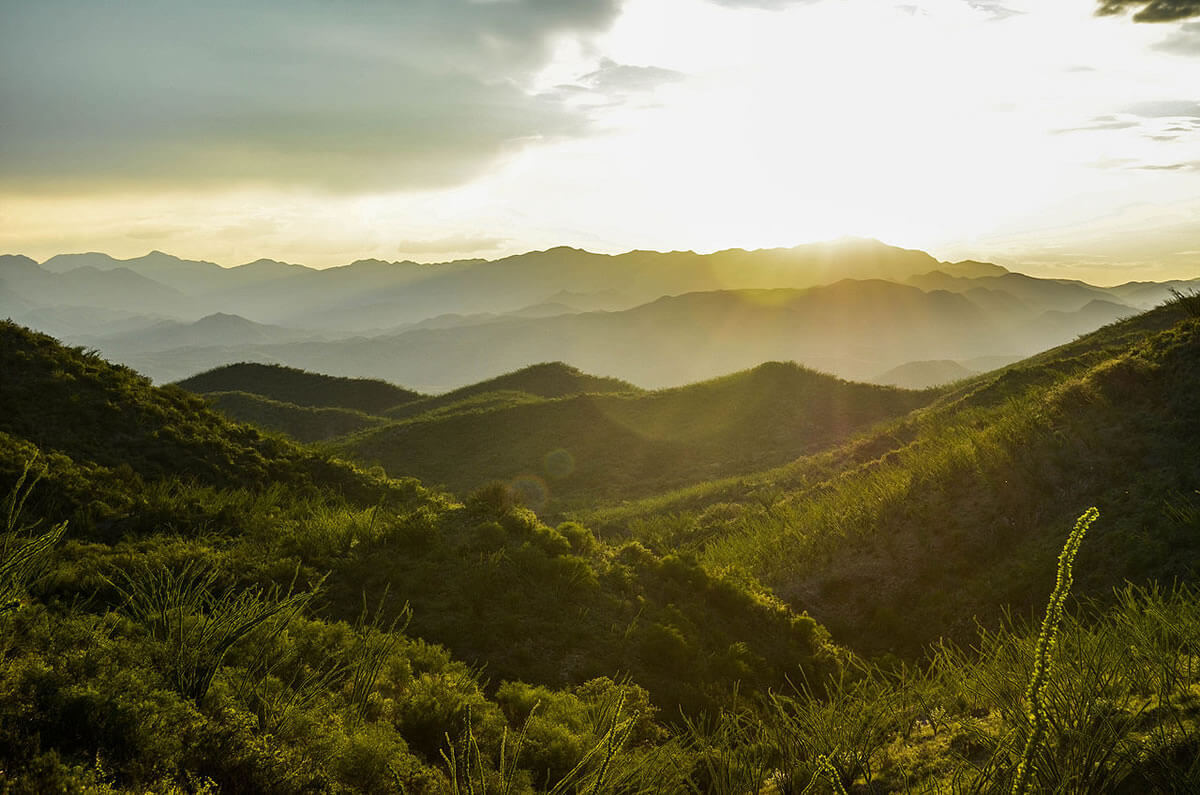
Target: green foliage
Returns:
[173, 642]
[289, 385]
[22, 558]
[302, 423]
[194, 625]
[612, 445]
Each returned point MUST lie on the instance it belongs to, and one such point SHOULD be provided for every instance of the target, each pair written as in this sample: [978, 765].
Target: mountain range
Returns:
[853, 308]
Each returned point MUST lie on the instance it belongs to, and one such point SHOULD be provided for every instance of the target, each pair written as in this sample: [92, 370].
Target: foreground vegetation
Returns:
[192, 605]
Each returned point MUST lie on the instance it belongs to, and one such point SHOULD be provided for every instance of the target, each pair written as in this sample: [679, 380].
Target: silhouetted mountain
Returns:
[921, 375]
[1145, 295]
[1058, 294]
[88, 286]
[215, 329]
[972, 269]
[290, 385]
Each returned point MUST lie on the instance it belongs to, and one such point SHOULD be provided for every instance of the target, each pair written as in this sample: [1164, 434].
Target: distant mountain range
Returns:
[854, 308]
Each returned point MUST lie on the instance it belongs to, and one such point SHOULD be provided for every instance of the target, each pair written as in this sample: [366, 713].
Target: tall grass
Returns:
[23, 557]
[196, 624]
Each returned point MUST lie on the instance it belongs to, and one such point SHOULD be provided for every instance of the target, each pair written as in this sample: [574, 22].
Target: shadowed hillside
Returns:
[956, 510]
[291, 385]
[620, 445]
[302, 423]
[547, 380]
[164, 499]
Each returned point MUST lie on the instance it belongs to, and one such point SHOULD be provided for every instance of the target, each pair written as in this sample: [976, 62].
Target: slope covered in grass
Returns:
[182, 525]
[302, 388]
[612, 446]
[547, 380]
[302, 423]
[953, 512]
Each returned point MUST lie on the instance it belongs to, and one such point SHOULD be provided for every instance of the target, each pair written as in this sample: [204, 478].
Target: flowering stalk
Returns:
[1043, 661]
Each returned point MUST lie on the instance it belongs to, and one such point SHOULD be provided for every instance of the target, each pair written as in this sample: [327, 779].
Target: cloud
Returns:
[1166, 109]
[1152, 10]
[766, 5]
[338, 95]
[1185, 41]
[617, 78]
[996, 11]
[1190, 165]
[1100, 123]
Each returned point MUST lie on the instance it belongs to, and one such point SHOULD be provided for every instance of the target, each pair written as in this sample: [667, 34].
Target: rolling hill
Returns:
[957, 510]
[291, 385]
[165, 499]
[621, 444]
[546, 380]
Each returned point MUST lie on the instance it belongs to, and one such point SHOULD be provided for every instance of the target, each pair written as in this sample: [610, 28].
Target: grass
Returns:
[502, 654]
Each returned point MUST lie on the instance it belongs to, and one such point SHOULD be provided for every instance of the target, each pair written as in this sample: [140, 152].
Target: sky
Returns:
[1034, 134]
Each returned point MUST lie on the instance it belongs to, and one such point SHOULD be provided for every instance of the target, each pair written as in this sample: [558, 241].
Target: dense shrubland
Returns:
[191, 605]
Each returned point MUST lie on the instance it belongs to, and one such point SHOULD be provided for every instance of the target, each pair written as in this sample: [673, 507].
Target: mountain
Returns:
[1039, 294]
[117, 289]
[212, 596]
[624, 444]
[302, 423]
[1145, 295]
[972, 269]
[959, 509]
[921, 375]
[854, 329]
[547, 380]
[215, 329]
[291, 385]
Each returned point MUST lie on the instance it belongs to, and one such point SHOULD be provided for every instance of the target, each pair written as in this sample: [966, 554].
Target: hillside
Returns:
[164, 499]
[302, 423]
[957, 510]
[547, 380]
[925, 374]
[613, 446]
[292, 385]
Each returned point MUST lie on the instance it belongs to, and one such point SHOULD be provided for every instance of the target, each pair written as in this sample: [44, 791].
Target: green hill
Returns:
[613, 446]
[301, 388]
[204, 618]
[547, 380]
[957, 510]
[302, 423]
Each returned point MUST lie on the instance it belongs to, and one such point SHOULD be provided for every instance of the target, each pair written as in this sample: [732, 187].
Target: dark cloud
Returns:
[1152, 10]
[334, 94]
[1185, 41]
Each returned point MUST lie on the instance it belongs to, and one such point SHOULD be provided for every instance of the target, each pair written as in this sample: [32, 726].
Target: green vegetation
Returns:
[302, 423]
[952, 511]
[588, 447]
[301, 388]
[203, 620]
[547, 380]
[190, 604]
